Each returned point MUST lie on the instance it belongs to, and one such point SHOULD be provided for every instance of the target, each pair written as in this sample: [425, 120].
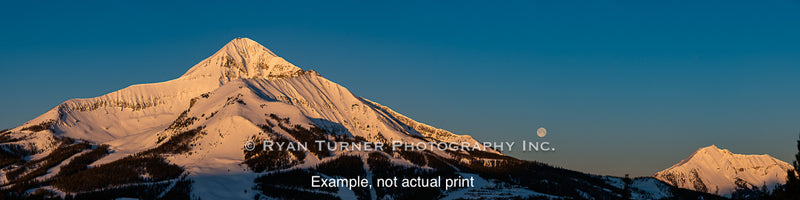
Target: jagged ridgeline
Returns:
[185, 138]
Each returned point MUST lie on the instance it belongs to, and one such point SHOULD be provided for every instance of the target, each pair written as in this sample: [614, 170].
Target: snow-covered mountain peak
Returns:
[709, 148]
[719, 171]
[712, 151]
[243, 58]
[108, 117]
[714, 148]
[246, 44]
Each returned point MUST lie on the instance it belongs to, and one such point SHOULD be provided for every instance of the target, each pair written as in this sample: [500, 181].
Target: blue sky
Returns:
[622, 86]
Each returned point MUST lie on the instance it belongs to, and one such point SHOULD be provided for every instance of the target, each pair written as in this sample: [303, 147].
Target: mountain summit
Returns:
[719, 171]
[243, 58]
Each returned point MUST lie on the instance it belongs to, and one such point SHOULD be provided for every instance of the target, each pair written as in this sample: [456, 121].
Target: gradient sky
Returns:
[622, 86]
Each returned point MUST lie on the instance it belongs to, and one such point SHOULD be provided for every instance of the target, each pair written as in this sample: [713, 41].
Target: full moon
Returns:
[541, 132]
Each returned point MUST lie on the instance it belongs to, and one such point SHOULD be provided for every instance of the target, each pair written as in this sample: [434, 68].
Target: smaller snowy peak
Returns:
[720, 171]
[712, 152]
[714, 149]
